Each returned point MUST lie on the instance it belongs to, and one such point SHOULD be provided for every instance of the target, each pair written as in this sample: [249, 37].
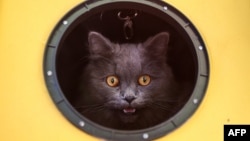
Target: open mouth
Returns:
[129, 110]
[128, 115]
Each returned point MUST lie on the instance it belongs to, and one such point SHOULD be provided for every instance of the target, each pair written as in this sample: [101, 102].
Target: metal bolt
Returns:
[200, 48]
[49, 73]
[65, 22]
[145, 136]
[165, 8]
[81, 123]
[195, 101]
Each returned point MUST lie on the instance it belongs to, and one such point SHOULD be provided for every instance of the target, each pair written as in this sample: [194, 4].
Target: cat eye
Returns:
[144, 80]
[112, 81]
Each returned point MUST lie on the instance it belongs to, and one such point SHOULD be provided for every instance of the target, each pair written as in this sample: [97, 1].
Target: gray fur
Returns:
[103, 104]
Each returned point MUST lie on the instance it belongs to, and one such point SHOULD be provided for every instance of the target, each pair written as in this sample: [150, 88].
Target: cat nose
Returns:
[129, 99]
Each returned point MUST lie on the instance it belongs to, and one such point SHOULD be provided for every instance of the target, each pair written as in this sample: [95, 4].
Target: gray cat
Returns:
[127, 86]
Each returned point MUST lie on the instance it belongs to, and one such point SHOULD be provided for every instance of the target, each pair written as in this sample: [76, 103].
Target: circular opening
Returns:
[126, 67]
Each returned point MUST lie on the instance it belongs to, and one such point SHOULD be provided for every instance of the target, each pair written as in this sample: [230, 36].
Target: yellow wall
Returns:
[27, 112]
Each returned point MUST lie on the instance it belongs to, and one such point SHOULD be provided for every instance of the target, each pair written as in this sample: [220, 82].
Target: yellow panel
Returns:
[28, 113]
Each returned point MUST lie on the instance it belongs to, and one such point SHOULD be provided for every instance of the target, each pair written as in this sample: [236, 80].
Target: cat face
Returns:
[126, 82]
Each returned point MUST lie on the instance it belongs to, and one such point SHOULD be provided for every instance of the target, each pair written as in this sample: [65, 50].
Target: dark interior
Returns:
[73, 46]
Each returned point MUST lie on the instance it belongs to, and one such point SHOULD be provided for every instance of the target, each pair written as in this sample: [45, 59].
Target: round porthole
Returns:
[126, 69]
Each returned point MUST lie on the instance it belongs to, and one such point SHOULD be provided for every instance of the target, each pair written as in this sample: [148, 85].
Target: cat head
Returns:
[127, 78]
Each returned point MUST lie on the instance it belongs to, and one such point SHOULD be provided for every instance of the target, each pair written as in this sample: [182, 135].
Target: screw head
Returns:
[49, 73]
[200, 48]
[65, 22]
[81, 123]
[195, 101]
[145, 136]
[165, 8]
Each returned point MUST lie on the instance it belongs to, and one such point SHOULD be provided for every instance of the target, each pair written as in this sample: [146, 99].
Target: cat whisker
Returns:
[84, 59]
[160, 106]
[87, 106]
[91, 108]
[166, 100]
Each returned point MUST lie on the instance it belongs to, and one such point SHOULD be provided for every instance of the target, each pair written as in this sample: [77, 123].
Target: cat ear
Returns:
[158, 44]
[98, 44]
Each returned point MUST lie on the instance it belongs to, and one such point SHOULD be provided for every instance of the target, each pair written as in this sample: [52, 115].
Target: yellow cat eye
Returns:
[144, 80]
[112, 81]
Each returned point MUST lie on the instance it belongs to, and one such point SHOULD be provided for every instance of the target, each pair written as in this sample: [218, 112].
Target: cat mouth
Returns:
[128, 115]
[129, 110]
